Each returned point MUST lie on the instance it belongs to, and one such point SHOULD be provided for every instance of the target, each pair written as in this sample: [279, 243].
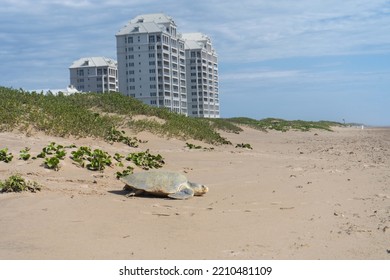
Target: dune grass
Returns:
[94, 115]
[97, 115]
[284, 125]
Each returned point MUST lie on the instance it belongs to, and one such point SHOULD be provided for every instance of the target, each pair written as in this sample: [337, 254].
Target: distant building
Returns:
[151, 62]
[163, 68]
[94, 74]
[202, 76]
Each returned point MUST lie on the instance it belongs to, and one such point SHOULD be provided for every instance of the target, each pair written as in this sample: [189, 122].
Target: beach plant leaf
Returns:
[24, 154]
[81, 155]
[95, 160]
[193, 146]
[5, 155]
[244, 146]
[52, 163]
[60, 153]
[98, 160]
[127, 171]
[52, 149]
[118, 157]
[146, 160]
[115, 135]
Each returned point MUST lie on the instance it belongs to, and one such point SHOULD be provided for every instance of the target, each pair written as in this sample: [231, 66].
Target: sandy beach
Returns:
[296, 195]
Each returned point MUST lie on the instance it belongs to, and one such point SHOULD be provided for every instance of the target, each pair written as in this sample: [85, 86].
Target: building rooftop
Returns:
[157, 18]
[142, 27]
[198, 41]
[196, 36]
[193, 45]
[94, 62]
[148, 23]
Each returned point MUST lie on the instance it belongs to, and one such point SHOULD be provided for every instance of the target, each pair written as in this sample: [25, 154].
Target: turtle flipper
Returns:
[183, 193]
[133, 192]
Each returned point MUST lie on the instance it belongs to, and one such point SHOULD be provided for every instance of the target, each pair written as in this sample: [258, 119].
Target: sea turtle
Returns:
[162, 183]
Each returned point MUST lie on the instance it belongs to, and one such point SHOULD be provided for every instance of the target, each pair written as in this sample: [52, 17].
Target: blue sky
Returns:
[303, 59]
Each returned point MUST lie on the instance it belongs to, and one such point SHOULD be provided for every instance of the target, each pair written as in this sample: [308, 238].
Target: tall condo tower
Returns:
[202, 76]
[151, 62]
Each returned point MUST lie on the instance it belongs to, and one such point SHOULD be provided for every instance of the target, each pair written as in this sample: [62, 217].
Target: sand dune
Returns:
[296, 195]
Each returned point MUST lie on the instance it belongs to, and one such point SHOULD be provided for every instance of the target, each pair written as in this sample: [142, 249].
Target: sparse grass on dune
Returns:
[284, 125]
[225, 125]
[181, 127]
[95, 115]
[54, 115]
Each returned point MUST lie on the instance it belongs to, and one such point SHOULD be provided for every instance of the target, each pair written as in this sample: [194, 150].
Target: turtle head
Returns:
[199, 189]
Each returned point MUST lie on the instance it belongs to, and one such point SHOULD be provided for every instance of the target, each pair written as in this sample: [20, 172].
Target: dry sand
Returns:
[296, 195]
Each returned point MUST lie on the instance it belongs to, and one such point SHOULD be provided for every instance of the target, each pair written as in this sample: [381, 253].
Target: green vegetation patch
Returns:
[181, 127]
[193, 146]
[146, 160]
[225, 125]
[95, 115]
[100, 114]
[52, 154]
[5, 155]
[16, 183]
[284, 125]
[115, 135]
[197, 147]
[244, 146]
[128, 170]
[25, 153]
[95, 160]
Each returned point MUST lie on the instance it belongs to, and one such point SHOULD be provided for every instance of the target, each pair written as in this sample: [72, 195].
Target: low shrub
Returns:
[17, 183]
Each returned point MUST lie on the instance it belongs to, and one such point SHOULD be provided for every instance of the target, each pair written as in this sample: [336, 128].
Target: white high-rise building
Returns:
[202, 76]
[151, 62]
[163, 68]
[94, 74]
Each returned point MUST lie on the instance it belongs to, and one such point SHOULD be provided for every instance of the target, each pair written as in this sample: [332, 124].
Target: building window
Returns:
[129, 40]
[151, 39]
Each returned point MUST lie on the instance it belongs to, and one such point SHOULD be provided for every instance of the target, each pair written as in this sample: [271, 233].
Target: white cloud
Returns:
[68, 3]
[259, 30]
[257, 75]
